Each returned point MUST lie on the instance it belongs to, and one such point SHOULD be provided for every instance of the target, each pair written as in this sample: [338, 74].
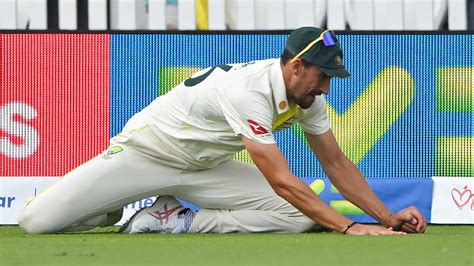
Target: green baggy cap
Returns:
[327, 58]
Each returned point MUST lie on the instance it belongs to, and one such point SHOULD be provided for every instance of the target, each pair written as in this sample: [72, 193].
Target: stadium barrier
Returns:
[404, 117]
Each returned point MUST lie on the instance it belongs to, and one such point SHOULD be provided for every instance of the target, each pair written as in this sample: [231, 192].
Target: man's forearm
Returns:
[274, 167]
[303, 198]
[351, 183]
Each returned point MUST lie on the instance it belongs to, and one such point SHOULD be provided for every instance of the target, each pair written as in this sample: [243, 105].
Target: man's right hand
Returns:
[413, 220]
[374, 230]
[408, 220]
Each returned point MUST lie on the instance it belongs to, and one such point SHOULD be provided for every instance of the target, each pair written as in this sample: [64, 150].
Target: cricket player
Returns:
[182, 145]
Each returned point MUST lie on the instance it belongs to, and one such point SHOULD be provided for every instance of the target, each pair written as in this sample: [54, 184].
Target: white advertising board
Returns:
[453, 200]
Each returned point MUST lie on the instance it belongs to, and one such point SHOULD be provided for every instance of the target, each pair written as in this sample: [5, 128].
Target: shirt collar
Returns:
[278, 87]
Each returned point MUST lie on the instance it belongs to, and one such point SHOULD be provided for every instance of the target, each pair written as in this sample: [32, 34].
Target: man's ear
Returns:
[296, 66]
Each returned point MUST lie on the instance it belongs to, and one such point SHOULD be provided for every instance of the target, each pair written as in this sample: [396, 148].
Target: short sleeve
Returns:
[249, 114]
[315, 119]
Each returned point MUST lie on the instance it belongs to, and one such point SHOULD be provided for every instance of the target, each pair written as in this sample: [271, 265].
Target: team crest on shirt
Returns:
[256, 128]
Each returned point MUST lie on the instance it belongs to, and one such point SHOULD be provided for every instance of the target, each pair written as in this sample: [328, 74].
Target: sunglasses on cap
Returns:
[328, 37]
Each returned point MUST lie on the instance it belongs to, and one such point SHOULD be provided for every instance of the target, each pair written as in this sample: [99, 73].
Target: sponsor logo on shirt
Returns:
[113, 150]
[256, 128]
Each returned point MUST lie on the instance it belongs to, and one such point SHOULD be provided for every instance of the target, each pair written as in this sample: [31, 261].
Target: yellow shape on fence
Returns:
[373, 113]
[455, 89]
[454, 156]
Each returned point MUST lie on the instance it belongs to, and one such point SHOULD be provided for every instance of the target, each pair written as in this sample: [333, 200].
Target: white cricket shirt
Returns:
[199, 123]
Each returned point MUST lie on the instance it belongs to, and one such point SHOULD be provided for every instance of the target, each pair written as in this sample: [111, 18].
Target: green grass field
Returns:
[441, 245]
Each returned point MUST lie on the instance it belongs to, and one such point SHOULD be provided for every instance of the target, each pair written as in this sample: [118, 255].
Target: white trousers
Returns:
[234, 196]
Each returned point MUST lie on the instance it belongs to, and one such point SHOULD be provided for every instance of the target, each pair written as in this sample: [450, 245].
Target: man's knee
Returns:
[31, 223]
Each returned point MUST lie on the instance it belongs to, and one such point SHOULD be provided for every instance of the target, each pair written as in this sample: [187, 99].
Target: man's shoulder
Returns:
[253, 68]
[253, 76]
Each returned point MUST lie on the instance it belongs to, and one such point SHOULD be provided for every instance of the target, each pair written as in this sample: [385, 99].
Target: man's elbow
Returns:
[281, 188]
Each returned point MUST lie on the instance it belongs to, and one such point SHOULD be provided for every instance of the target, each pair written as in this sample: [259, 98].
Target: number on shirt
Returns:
[196, 80]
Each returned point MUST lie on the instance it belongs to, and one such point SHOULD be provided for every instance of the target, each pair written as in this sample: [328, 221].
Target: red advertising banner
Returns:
[54, 104]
